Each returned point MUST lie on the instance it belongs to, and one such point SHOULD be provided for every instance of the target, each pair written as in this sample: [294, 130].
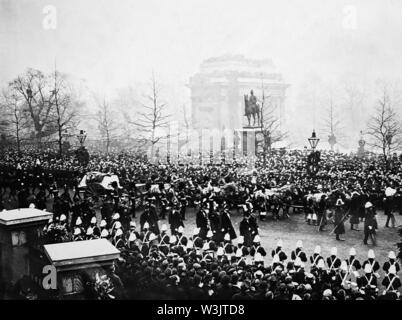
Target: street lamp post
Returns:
[313, 140]
[314, 158]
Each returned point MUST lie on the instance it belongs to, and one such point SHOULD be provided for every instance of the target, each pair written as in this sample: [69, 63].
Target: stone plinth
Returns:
[20, 230]
[78, 262]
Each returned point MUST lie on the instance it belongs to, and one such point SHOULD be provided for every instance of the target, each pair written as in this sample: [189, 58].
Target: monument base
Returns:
[249, 138]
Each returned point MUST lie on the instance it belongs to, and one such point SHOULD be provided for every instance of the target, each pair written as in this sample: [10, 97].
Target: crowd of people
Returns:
[160, 261]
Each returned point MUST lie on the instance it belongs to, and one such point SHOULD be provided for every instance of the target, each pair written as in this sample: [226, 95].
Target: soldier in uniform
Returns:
[298, 252]
[391, 281]
[339, 218]
[391, 262]
[368, 279]
[226, 224]
[175, 219]
[279, 251]
[375, 266]
[256, 248]
[201, 221]
[118, 240]
[181, 238]
[95, 228]
[164, 240]
[77, 234]
[353, 263]
[370, 222]
[333, 262]
[316, 257]
[248, 228]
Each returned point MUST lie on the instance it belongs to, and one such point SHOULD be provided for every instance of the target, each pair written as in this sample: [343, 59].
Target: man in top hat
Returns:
[175, 219]
[391, 262]
[339, 218]
[248, 228]
[201, 221]
[370, 221]
[148, 217]
[298, 252]
[333, 262]
[226, 224]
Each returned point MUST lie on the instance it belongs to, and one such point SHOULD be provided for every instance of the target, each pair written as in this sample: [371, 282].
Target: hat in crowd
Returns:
[104, 233]
[240, 240]
[299, 244]
[339, 203]
[367, 268]
[132, 237]
[368, 205]
[133, 224]
[117, 225]
[334, 251]
[196, 231]
[164, 227]
[226, 237]
[327, 293]
[352, 252]
[209, 234]
[257, 239]
[116, 216]
[152, 237]
[370, 254]
[317, 250]
[103, 223]
[180, 230]
[220, 251]
[63, 217]
[90, 231]
[119, 232]
[93, 220]
[32, 206]
[391, 255]
[78, 222]
[280, 243]
[77, 231]
[146, 225]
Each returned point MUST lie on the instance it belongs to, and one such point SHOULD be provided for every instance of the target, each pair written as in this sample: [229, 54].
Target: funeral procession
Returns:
[200, 150]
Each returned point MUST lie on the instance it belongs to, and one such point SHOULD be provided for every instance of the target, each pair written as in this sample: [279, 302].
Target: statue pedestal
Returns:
[248, 136]
[20, 230]
[78, 262]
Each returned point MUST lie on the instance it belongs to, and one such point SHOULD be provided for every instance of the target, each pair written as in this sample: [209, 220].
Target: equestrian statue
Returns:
[252, 108]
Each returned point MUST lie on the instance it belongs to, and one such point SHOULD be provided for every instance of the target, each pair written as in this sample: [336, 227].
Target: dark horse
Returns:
[251, 109]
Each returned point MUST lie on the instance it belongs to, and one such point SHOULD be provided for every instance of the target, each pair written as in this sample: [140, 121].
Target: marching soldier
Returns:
[391, 262]
[368, 279]
[298, 252]
[391, 281]
[279, 251]
[353, 264]
[370, 221]
[339, 219]
[316, 257]
[257, 247]
[333, 262]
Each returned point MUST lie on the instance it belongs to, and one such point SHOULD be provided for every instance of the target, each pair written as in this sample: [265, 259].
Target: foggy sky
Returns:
[116, 44]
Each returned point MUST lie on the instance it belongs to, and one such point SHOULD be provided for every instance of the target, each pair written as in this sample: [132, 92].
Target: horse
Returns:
[251, 110]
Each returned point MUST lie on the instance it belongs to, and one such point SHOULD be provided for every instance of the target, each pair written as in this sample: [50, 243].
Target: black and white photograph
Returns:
[200, 150]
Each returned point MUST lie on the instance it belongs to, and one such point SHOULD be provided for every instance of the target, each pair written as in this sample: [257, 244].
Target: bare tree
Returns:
[33, 88]
[64, 105]
[269, 124]
[14, 118]
[385, 126]
[152, 119]
[107, 125]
